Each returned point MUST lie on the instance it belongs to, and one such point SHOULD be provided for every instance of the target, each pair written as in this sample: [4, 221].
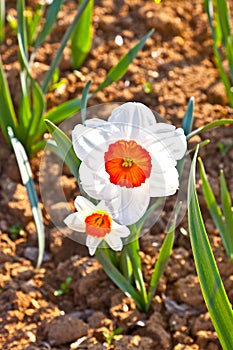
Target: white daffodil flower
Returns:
[128, 159]
[97, 223]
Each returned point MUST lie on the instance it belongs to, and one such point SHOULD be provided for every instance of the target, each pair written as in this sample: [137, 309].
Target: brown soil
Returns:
[178, 62]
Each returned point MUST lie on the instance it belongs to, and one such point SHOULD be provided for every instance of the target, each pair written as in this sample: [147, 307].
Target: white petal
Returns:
[114, 241]
[85, 139]
[164, 184]
[73, 221]
[130, 205]
[84, 206]
[119, 230]
[95, 123]
[96, 183]
[92, 243]
[134, 113]
[173, 140]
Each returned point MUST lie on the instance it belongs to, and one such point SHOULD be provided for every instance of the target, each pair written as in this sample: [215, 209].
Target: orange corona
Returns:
[127, 163]
[98, 225]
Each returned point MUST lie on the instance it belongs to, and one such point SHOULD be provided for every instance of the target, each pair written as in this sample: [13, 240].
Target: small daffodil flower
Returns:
[97, 223]
[128, 159]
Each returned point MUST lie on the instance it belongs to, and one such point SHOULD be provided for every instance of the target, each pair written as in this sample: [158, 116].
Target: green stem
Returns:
[118, 278]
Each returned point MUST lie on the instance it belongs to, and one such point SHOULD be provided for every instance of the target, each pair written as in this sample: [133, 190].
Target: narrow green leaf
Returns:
[51, 18]
[27, 180]
[163, 258]
[125, 265]
[22, 33]
[228, 213]
[84, 99]
[65, 39]
[209, 126]
[187, 121]
[121, 67]
[61, 113]
[2, 20]
[81, 38]
[213, 207]
[7, 113]
[65, 147]
[38, 107]
[117, 277]
[211, 284]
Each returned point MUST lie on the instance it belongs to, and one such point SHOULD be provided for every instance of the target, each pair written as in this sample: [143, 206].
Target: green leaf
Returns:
[84, 99]
[61, 113]
[7, 113]
[209, 126]
[65, 39]
[81, 38]
[51, 18]
[22, 33]
[211, 284]
[163, 258]
[187, 121]
[65, 146]
[228, 213]
[38, 107]
[27, 180]
[220, 28]
[213, 207]
[117, 277]
[2, 20]
[121, 67]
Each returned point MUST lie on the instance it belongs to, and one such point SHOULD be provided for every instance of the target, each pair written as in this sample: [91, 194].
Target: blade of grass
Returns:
[65, 147]
[27, 180]
[61, 113]
[228, 213]
[217, 23]
[7, 113]
[84, 99]
[187, 121]
[208, 127]
[163, 258]
[121, 67]
[211, 284]
[81, 38]
[213, 207]
[65, 39]
[2, 20]
[117, 277]
[38, 107]
[47, 27]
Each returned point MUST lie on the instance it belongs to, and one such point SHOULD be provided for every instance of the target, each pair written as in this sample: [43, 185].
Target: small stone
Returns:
[65, 329]
[216, 94]
[31, 253]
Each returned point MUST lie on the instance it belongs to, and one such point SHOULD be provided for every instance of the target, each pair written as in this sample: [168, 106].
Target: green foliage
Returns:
[109, 336]
[64, 287]
[28, 122]
[15, 231]
[220, 25]
[26, 175]
[224, 148]
[211, 284]
[2, 20]
[81, 38]
[223, 218]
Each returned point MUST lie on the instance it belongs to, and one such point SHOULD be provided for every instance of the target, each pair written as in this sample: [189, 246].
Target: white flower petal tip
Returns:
[96, 221]
[134, 113]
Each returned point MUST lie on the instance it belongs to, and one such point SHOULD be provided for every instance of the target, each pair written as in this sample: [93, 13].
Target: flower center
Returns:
[127, 163]
[98, 224]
